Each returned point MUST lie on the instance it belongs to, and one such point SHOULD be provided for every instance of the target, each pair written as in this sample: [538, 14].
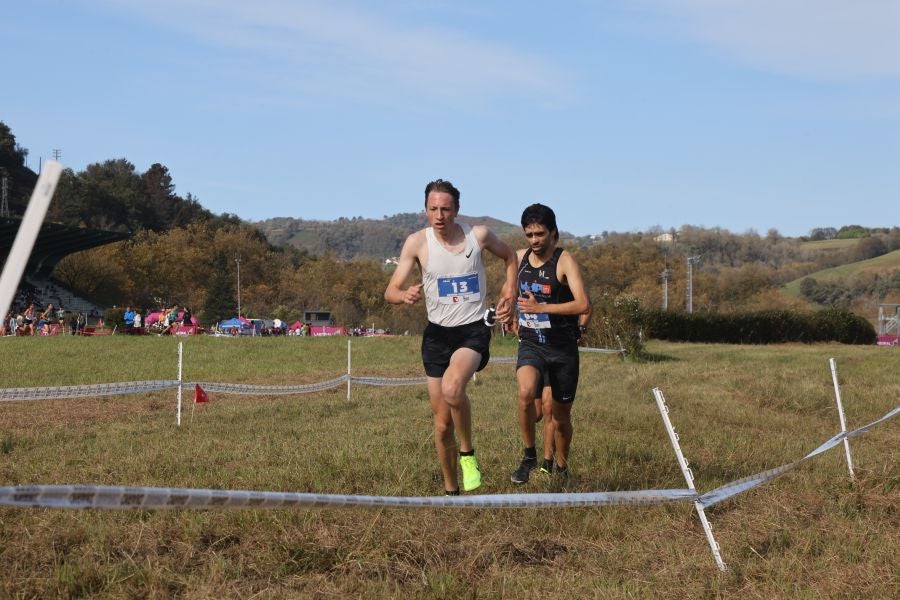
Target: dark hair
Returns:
[439, 185]
[538, 214]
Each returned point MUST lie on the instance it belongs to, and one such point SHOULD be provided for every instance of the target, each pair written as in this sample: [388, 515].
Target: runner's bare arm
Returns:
[499, 248]
[409, 256]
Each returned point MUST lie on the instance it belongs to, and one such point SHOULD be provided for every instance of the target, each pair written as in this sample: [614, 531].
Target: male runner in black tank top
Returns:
[551, 296]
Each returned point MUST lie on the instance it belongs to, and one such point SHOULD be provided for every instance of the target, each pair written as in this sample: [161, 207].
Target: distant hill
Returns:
[885, 263]
[358, 237]
[831, 245]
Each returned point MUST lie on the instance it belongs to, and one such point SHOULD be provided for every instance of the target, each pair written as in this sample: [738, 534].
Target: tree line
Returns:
[182, 253]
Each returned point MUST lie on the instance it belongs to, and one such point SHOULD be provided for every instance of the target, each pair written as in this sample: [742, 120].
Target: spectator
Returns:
[29, 318]
[128, 317]
[61, 318]
[136, 324]
[45, 318]
[170, 320]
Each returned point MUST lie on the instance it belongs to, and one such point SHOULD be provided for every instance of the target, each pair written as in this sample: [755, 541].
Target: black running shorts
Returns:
[558, 364]
[439, 343]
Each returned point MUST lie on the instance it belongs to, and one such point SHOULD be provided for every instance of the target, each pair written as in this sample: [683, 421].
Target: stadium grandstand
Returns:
[54, 242]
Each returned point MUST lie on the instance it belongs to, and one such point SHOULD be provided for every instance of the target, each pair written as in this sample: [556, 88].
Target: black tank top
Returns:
[547, 288]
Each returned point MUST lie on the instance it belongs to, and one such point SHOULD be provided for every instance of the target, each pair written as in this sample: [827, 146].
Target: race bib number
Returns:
[534, 320]
[458, 289]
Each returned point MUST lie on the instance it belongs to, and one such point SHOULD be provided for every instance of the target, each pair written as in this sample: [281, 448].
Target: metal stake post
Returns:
[840, 407]
[178, 409]
[688, 477]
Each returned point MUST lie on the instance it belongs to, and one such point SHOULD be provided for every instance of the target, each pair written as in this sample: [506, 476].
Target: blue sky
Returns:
[621, 115]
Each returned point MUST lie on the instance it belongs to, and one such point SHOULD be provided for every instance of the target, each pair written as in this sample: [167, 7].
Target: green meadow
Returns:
[886, 263]
[739, 410]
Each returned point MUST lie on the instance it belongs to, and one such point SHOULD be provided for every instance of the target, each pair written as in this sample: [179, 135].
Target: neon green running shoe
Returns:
[470, 472]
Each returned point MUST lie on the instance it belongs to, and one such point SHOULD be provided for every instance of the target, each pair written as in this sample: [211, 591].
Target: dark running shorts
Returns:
[439, 343]
[558, 366]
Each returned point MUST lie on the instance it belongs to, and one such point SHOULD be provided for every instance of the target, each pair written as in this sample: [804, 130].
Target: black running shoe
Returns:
[547, 467]
[520, 475]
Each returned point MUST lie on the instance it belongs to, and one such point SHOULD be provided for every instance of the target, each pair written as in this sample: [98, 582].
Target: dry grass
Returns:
[739, 410]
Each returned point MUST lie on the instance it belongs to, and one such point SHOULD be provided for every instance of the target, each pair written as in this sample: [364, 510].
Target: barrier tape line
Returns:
[116, 497]
[389, 381]
[112, 497]
[240, 388]
[748, 483]
[85, 391]
[132, 387]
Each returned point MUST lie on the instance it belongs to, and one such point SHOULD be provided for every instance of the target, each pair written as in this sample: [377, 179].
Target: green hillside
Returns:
[881, 264]
[830, 245]
[359, 237]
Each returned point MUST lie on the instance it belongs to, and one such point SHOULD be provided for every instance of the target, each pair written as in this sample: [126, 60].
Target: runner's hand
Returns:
[528, 304]
[504, 310]
[412, 294]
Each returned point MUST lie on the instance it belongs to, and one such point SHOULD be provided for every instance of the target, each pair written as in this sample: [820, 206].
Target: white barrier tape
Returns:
[131, 387]
[748, 483]
[512, 359]
[389, 381]
[72, 496]
[603, 350]
[78, 496]
[502, 359]
[240, 388]
[85, 391]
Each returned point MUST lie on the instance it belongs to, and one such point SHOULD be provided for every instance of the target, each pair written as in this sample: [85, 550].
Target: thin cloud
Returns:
[325, 46]
[823, 39]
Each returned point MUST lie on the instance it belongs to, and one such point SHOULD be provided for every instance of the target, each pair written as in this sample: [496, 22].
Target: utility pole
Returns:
[4, 202]
[666, 273]
[237, 259]
[691, 260]
[57, 154]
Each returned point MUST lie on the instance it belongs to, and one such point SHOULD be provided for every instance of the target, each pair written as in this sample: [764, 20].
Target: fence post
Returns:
[840, 407]
[688, 477]
[348, 368]
[178, 409]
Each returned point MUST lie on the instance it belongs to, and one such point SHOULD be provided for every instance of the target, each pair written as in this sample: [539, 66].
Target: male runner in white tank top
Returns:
[455, 342]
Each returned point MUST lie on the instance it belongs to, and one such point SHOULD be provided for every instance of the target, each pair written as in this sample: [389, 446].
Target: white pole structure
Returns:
[348, 368]
[840, 407]
[237, 259]
[688, 476]
[691, 261]
[178, 409]
[27, 234]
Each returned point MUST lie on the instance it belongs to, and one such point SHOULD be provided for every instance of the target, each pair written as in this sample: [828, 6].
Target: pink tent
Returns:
[297, 325]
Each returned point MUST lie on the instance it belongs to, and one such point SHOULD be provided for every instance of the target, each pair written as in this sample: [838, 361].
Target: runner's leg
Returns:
[444, 441]
[547, 402]
[463, 364]
[528, 379]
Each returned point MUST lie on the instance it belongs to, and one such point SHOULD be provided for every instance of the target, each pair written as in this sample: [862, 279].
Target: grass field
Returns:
[738, 409]
[834, 245]
[885, 263]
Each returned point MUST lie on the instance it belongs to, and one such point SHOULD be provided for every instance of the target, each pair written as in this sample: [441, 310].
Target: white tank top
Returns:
[455, 284]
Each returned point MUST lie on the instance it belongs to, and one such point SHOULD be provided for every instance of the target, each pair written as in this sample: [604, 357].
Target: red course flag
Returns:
[200, 394]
